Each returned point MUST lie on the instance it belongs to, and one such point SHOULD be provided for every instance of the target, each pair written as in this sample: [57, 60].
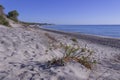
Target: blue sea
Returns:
[102, 30]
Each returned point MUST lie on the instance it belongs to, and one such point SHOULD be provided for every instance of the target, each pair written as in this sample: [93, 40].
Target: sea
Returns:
[100, 30]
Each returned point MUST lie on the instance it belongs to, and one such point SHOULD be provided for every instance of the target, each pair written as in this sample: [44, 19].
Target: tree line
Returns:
[13, 15]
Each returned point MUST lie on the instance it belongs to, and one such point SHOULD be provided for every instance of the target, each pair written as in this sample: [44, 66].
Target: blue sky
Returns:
[66, 11]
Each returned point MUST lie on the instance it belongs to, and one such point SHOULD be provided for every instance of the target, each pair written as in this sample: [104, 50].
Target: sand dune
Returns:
[25, 52]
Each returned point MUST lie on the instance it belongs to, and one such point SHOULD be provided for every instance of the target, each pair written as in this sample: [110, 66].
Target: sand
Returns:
[24, 53]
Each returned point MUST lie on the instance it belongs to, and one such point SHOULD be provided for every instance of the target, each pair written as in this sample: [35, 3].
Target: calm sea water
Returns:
[102, 30]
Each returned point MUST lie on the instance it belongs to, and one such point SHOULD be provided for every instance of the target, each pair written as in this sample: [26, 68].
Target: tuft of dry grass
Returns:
[3, 21]
[50, 37]
[75, 53]
[74, 40]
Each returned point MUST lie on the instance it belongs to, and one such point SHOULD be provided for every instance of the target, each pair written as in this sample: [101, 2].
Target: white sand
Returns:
[23, 57]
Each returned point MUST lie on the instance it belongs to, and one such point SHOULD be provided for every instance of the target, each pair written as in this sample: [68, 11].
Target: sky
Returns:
[74, 12]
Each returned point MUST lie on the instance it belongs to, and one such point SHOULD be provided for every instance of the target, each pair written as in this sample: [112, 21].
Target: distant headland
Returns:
[11, 18]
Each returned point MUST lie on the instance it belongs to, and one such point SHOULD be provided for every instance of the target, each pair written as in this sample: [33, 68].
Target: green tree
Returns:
[13, 15]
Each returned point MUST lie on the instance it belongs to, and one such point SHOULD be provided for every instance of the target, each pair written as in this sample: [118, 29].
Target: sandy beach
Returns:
[103, 40]
[25, 53]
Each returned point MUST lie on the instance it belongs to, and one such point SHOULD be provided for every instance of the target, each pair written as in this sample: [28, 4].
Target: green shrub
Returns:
[13, 15]
[3, 21]
[14, 19]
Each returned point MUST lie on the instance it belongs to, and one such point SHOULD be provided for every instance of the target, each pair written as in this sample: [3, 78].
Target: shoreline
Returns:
[102, 40]
[26, 51]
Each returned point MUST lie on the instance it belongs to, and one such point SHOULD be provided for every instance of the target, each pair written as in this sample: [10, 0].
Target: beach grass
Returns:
[77, 54]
